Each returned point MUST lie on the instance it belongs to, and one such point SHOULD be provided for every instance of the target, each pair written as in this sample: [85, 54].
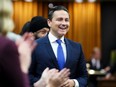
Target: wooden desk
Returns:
[106, 83]
[96, 73]
[93, 75]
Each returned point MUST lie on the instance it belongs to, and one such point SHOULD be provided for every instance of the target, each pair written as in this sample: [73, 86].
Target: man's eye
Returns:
[67, 20]
[60, 19]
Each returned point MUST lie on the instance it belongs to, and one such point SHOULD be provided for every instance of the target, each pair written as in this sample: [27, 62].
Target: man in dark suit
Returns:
[47, 52]
[95, 62]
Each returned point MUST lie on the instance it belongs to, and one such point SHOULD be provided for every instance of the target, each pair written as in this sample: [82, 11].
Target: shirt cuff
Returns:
[76, 83]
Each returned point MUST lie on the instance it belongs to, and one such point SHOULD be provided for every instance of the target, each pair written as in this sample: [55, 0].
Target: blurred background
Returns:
[92, 23]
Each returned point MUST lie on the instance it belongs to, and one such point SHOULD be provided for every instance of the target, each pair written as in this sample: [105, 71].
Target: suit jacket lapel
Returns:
[50, 51]
[52, 55]
[69, 52]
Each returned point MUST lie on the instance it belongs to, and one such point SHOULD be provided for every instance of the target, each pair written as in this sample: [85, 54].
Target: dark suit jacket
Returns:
[94, 67]
[10, 71]
[43, 56]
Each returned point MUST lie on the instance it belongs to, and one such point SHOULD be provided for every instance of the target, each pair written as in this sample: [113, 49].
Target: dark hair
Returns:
[25, 28]
[55, 8]
[37, 23]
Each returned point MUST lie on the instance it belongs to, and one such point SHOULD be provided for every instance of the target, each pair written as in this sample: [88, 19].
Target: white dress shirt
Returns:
[54, 45]
[96, 63]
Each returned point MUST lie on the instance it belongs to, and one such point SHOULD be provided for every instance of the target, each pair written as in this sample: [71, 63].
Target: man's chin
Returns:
[62, 34]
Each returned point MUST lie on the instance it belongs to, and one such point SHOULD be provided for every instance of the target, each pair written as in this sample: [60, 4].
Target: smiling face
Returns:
[59, 24]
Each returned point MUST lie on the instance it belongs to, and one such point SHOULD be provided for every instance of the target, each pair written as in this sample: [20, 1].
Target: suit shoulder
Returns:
[41, 40]
[72, 42]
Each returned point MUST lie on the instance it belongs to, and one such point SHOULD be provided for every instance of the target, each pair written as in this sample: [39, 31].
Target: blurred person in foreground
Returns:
[37, 26]
[56, 51]
[15, 58]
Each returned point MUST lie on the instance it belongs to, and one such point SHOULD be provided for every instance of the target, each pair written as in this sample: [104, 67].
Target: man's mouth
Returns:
[63, 27]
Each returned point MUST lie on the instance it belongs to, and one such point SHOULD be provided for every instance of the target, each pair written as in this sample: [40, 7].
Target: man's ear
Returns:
[49, 22]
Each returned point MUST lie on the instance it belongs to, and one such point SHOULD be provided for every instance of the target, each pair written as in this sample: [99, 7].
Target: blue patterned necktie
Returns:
[60, 55]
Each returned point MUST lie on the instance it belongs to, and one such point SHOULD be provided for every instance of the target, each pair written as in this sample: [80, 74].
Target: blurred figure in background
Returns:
[96, 65]
[95, 62]
[37, 26]
[112, 72]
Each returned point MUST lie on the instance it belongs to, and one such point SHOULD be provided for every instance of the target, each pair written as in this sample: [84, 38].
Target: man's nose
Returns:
[64, 22]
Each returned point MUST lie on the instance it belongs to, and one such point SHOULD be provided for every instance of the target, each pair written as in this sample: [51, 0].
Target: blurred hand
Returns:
[108, 76]
[52, 78]
[68, 83]
[56, 79]
[25, 46]
[107, 68]
[46, 75]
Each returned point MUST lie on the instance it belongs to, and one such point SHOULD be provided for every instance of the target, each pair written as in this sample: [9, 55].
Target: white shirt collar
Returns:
[53, 39]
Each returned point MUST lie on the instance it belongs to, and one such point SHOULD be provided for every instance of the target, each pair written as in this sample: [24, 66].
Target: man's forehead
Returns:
[61, 13]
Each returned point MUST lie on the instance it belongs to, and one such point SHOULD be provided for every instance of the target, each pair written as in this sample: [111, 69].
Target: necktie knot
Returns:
[59, 41]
